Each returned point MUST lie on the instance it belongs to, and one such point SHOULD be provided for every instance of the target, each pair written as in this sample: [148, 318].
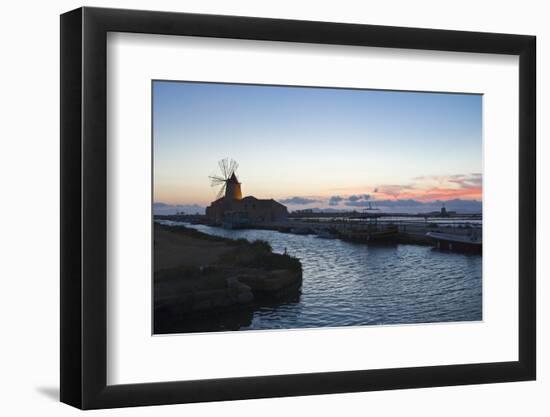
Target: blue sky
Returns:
[315, 143]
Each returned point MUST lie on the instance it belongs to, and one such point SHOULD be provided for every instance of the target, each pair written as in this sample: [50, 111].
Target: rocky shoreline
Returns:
[198, 275]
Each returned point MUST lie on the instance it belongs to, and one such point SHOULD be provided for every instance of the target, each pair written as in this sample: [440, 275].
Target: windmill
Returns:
[230, 185]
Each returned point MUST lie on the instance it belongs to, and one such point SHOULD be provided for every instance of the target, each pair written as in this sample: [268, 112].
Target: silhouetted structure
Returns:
[231, 210]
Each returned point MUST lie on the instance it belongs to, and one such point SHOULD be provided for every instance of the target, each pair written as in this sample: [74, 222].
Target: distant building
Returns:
[232, 210]
[442, 213]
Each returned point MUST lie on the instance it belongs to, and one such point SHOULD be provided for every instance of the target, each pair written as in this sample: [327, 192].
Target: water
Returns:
[348, 284]
[441, 221]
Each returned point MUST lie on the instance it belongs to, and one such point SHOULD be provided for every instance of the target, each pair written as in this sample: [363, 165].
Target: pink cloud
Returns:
[436, 187]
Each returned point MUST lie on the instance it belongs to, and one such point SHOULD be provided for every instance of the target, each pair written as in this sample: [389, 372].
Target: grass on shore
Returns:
[240, 254]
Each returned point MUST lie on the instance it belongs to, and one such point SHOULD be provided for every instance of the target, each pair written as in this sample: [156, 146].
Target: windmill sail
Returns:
[230, 187]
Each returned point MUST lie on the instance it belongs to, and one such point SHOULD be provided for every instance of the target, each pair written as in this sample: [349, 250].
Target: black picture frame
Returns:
[84, 207]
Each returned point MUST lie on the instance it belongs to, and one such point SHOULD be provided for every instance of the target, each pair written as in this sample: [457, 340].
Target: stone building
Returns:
[232, 210]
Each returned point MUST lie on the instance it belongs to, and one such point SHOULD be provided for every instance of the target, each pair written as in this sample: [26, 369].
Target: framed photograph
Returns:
[257, 208]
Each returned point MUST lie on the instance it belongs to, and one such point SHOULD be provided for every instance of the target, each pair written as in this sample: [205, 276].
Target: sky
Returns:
[317, 147]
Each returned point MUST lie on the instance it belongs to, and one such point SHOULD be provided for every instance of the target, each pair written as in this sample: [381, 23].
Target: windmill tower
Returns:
[230, 185]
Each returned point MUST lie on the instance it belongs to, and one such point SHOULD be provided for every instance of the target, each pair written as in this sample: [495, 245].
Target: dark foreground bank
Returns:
[199, 278]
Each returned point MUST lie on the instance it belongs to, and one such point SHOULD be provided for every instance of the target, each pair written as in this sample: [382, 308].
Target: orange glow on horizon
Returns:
[433, 194]
[422, 189]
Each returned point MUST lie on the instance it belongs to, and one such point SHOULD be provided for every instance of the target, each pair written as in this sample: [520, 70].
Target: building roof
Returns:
[233, 179]
[249, 200]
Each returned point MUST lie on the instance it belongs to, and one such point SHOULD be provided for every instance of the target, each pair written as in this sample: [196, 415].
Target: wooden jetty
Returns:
[459, 243]
[370, 234]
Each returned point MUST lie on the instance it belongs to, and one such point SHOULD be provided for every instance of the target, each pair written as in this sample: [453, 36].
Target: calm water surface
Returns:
[348, 284]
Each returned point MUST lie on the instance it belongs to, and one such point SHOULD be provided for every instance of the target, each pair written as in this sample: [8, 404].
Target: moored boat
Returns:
[459, 243]
[388, 234]
[326, 234]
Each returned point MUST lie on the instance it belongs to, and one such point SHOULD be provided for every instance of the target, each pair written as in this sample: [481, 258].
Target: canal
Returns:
[348, 284]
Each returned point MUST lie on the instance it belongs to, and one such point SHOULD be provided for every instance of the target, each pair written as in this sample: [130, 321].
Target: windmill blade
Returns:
[221, 192]
[224, 168]
[220, 164]
[233, 167]
[227, 168]
[216, 180]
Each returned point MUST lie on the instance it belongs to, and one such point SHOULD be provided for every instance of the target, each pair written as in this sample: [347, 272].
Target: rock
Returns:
[202, 305]
[278, 280]
[245, 297]
[232, 282]
[209, 294]
[275, 284]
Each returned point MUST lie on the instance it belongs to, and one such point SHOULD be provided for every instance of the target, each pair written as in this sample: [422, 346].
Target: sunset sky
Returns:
[316, 147]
